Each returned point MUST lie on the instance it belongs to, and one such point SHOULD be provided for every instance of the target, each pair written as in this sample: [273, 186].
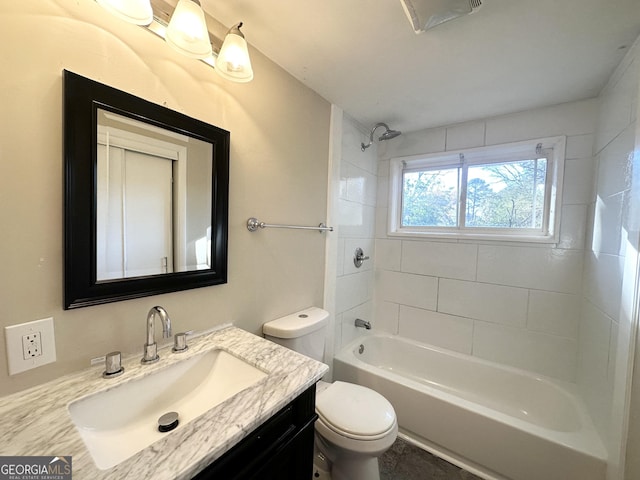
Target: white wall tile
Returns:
[483, 301]
[349, 330]
[382, 193]
[352, 136]
[340, 259]
[575, 118]
[384, 167]
[615, 165]
[554, 313]
[578, 181]
[573, 227]
[595, 340]
[388, 254]
[593, 356]
[414, 143]
[541, 268]
[386, 316]
[356, 219]
[579, 146]
[617, 101]
[342, 188]
[353, 290]
[381, 222]
[630, 216]
[359, 185]
[607, 225]
[446, 331]
[613, 350]
[603, 282]
[449, 260]
[337, 334]
[465, 135]
[546, 354]
[407, 289]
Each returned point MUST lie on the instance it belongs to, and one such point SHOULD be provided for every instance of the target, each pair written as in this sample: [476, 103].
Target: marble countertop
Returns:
[37, 421]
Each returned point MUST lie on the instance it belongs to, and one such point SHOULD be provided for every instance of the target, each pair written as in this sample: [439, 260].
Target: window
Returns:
[501, 192]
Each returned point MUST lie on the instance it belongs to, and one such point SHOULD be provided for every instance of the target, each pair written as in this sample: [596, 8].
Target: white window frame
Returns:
[552, 148]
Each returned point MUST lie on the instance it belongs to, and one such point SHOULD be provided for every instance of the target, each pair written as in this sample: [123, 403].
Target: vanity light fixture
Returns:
[184, 28]
[187, 31]
[233, 61]
[138, 12]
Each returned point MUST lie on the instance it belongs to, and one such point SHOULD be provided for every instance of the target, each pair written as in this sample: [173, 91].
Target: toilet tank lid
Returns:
[297, 324]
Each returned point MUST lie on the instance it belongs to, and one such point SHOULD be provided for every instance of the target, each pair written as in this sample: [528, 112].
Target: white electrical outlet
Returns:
[30, 345]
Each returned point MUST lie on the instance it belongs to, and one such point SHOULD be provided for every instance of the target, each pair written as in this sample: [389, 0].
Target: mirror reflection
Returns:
[153, 200]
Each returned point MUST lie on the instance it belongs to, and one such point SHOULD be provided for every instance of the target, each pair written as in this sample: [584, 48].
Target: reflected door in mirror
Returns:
[134, 214]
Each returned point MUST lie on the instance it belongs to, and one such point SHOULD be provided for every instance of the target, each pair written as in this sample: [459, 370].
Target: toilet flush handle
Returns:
[359, 257]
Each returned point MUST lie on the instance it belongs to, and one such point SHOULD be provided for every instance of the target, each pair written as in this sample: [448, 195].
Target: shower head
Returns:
[387, 135]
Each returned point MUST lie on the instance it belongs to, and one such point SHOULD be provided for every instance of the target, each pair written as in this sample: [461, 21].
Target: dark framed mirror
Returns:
[146, 197]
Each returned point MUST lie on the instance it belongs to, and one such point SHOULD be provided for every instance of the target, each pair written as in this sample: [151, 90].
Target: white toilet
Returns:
[355, 424]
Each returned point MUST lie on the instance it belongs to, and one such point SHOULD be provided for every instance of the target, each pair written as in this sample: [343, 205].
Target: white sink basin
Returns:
[118, 423]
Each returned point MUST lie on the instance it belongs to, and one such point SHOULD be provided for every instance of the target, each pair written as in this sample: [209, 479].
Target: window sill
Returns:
[498, 237]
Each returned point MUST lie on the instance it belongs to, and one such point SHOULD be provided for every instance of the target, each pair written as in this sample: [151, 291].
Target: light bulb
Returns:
[233, 62]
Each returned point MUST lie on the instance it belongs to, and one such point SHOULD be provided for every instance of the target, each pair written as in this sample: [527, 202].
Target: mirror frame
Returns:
[82, 98]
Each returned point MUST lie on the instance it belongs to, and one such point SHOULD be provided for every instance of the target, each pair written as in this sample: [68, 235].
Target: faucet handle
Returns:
[113, 364]
[180, 342]
[359, 257]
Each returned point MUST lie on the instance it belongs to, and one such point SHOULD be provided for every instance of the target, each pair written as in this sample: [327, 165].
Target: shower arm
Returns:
[363, 147]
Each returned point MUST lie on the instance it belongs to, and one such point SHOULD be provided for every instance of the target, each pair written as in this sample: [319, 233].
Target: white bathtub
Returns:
[498, 422]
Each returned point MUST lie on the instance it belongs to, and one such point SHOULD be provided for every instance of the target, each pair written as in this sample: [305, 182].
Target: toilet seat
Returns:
[355, 412]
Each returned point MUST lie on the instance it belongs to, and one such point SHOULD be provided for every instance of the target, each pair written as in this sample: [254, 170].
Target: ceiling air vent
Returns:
[426, 14]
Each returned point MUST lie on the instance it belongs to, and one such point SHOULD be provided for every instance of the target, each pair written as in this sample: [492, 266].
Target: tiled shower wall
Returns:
[356, 228]
[612, 236]
[513, 303]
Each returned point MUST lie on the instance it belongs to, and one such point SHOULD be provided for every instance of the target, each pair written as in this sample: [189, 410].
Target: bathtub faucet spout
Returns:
[362, 324]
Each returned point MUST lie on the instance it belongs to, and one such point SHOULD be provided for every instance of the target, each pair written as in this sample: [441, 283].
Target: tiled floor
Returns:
[404, 461]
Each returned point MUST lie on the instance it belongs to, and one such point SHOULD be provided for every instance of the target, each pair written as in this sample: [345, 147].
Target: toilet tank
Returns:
[303, 332]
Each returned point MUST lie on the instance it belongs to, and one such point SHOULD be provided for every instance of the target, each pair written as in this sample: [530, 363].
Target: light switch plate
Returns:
[17, 360]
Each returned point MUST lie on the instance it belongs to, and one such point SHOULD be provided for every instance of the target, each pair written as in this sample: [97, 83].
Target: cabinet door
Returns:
[294, 461]
[280, 449]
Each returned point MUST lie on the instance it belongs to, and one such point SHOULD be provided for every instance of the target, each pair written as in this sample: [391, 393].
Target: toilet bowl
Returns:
[355, 424]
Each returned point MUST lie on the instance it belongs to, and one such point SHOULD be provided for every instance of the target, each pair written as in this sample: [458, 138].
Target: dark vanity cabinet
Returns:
[279, 449]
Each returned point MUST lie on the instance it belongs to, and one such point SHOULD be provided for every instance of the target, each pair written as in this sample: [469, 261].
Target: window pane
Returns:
[430, 198]
[506, 195]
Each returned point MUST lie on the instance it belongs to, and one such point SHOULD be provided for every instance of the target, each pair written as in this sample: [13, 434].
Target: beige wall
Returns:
[279, 151]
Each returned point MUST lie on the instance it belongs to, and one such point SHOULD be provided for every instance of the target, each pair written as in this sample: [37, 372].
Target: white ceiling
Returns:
[511, 55]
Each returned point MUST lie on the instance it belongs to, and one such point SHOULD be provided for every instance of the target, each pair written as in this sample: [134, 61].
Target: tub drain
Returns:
[168, 422]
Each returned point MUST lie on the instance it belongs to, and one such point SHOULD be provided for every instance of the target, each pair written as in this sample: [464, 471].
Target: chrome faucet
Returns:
[151, 347]
[362, 323]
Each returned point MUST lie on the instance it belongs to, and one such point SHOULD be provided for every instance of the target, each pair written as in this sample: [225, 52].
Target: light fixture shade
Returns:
[233, 62]
[187, 31]
[138, 12]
